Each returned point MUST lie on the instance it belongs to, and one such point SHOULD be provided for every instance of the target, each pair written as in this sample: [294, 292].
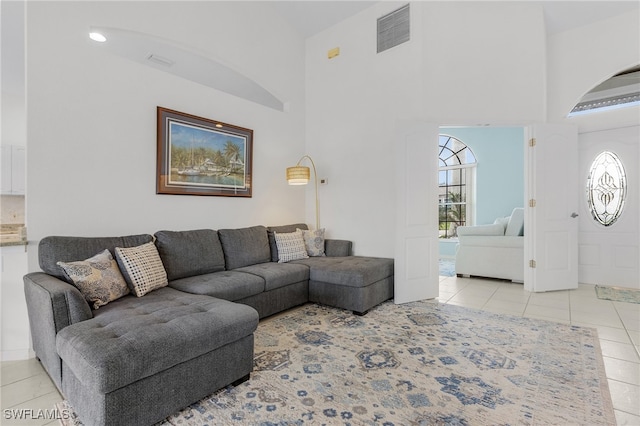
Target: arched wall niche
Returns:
[580, 59]
[617, 86]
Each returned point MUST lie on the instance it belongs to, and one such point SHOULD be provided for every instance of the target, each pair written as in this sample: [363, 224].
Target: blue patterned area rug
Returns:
[618, 294]
[421, 363]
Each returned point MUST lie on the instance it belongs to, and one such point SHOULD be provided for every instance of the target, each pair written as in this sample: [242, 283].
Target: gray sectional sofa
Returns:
[136, 360]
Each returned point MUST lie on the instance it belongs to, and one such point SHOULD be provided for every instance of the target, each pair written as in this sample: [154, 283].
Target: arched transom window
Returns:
[456, 180]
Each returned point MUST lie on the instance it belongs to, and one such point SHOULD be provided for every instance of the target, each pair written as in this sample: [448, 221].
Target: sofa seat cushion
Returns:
[227, 285]
[133, 338]
[352, 271]
[276, 275]
[495, 230]
[487, 241]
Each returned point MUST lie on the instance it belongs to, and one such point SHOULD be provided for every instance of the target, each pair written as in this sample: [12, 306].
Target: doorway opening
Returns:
[484, 181]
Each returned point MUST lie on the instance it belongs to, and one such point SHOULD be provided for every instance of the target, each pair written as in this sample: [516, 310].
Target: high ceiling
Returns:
[311, 17]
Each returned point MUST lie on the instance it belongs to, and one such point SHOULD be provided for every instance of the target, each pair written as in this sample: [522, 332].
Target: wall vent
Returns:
[393, 28]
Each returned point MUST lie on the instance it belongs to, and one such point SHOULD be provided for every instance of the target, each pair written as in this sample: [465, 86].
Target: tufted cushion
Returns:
[98, 278]
[276, 275]
[352, 271]
[190, 253]
[142, 268]
[227, 285]
[245, 246]
[138, 337]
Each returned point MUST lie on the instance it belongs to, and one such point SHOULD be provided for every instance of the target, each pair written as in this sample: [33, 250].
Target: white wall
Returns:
[579, 60]
[92, 116]
[467, 63]
[458, 68]
[483, 62]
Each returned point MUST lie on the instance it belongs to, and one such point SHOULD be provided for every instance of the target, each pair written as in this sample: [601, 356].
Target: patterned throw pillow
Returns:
[98, 278]
[142, 268]
[290, 246]
[314, 242]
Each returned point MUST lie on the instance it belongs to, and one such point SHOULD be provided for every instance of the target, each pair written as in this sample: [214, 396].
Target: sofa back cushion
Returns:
[189, 253]
[515, 227]
[284, 229]
[245, 246]
[70, 249]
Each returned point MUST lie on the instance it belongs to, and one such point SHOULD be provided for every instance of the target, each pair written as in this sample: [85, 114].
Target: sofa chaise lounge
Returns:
[136, 360]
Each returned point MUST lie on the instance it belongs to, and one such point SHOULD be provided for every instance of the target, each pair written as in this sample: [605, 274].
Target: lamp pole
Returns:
[298, 173]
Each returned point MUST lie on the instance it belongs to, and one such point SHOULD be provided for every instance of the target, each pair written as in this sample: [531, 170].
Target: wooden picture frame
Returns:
[199, 156]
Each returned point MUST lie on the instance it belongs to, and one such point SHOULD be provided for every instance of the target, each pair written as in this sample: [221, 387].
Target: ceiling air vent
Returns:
[393, 28]
[160, 60]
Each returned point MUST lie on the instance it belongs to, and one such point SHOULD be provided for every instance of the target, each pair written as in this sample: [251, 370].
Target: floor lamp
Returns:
[300, 175]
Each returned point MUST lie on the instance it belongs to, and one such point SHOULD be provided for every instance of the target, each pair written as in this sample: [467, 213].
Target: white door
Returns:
[416, 254]
[551, 218]
[609, 254]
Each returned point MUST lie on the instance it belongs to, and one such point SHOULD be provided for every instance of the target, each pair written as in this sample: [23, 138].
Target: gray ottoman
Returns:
[356, 283]
[141, 359]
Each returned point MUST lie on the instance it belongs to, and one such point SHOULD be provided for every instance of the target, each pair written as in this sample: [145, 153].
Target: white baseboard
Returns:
[17, 355]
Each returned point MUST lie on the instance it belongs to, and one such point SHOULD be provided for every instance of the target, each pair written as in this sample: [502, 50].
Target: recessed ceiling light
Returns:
[97, 37]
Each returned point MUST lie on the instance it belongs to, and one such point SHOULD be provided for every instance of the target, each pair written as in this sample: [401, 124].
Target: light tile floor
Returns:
[25, 385]
[618, 326]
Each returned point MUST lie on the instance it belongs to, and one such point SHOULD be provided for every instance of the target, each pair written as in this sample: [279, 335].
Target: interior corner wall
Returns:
[466, 63]
[499, 152]
[91, 116]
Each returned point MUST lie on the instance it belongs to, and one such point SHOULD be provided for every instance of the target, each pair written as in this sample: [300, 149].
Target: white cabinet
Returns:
[13, 169]
[15, 339]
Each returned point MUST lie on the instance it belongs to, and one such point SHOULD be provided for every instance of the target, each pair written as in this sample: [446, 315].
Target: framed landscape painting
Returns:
[199, 156]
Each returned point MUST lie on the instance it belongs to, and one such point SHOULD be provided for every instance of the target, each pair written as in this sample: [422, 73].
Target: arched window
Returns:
[456, 180]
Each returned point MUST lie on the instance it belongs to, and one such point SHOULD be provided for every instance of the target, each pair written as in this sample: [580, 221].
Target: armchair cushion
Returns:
[515, 227]
[495, 229]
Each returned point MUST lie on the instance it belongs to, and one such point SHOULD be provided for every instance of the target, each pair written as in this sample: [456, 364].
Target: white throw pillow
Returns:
[290, 246]
[142, 268]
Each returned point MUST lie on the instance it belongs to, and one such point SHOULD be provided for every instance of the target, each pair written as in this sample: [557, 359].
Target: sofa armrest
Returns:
[52, 304]
[337, 248]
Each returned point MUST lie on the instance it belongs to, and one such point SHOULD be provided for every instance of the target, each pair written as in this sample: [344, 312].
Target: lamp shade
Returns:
[298, 175]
